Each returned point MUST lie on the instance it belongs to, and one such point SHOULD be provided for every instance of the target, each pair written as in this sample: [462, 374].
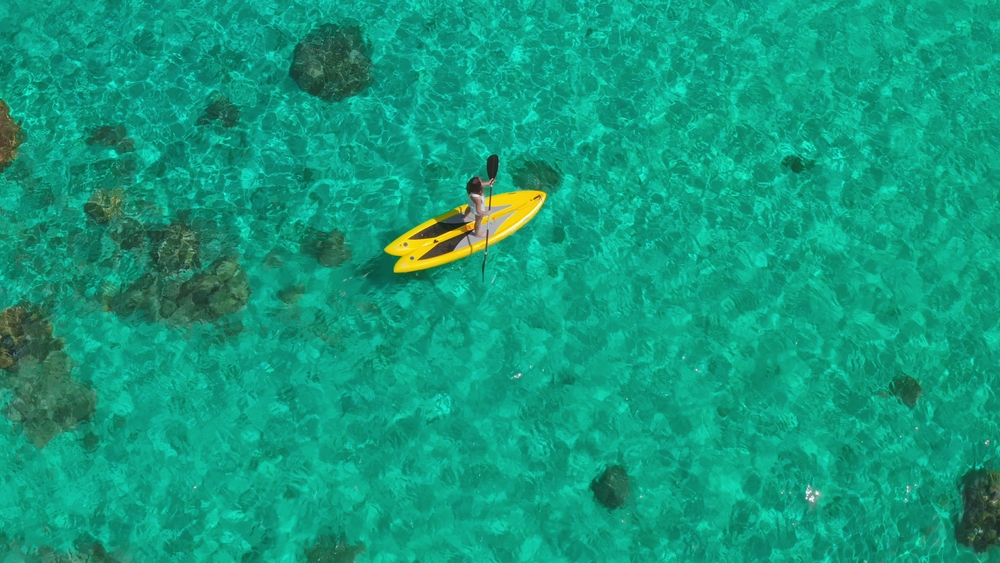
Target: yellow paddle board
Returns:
[449, 237]
[452, 221]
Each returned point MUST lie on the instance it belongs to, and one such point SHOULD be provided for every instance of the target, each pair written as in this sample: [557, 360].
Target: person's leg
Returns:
[478, 229]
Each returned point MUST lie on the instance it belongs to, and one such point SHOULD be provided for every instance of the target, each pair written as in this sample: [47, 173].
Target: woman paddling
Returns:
[476, 206]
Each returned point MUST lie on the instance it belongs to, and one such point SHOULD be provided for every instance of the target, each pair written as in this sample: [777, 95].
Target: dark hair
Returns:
[475, 186]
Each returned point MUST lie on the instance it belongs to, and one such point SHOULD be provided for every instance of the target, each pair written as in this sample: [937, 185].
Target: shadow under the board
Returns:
[377, 272]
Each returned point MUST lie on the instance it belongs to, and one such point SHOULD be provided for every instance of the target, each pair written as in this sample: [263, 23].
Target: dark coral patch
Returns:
[146, 42]
[104, 205]
[796, 163]
[129, 233]
[176, 249]
[84, 552]
[980, 523]
[535, 175]
[24, 333]
[330, 249]
[611, 489]
[291, 295]
[11, 136]
[330, 549]
[906, 389]
[221, 110]
[223, 288]
[332, 63]
[142, 296]
[47, 400]
[111, 136]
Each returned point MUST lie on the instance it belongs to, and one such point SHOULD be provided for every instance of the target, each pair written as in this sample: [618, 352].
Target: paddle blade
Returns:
[492, 165]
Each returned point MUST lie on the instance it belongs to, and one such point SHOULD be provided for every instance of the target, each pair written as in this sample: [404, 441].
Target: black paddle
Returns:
[492, 164]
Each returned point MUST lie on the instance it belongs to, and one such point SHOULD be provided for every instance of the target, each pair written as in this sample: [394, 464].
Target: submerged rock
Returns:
[223, 288]
[91, 442]
[172, 156]
[291, 295]
[330, 249]
[85, 552]
[176, 249]
[146, 42]
[222, 110]
[104, 205]
[612, 488]
[10, 137]
[47, 400]
[129, 234]
[332, 63]
[980, 523]
[111, 136]
[796, 163]
[25, 333]
[535, 175]
[330, 549]
[906, 389]
[142, 296]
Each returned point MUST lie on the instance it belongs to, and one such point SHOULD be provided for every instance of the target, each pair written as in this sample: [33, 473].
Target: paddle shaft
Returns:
[486, 250]
[492, 164]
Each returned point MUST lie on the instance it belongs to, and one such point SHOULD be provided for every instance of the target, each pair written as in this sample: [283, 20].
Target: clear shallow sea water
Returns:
[684, 305]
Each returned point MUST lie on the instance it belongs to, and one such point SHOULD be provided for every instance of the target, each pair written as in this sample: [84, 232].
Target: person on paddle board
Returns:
[477, 206]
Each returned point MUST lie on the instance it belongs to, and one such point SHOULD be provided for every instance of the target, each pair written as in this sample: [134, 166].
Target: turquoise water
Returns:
[683, 305]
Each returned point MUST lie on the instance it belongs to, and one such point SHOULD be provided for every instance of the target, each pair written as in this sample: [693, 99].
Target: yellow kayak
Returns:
[448, 237]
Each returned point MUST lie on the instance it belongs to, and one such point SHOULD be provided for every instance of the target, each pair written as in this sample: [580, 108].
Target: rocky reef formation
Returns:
[10, 136]
[332, 63]
[329, 248]
[221, 110]
[906, 389]
[47, 400]
[611, 488]
[796, 163]
[174, 155]
[219, 290]
[114, 136]
[128, 234]
[104, 205]
[142, 296]
[176, 248]
[25, 333]
[980, 522]
[175, 289]
[291, 295]
[333, 549]
[147, 42]
[86, 551]
[535, 175]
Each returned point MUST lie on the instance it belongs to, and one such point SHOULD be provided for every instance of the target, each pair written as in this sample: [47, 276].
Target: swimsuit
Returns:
[473, 205]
